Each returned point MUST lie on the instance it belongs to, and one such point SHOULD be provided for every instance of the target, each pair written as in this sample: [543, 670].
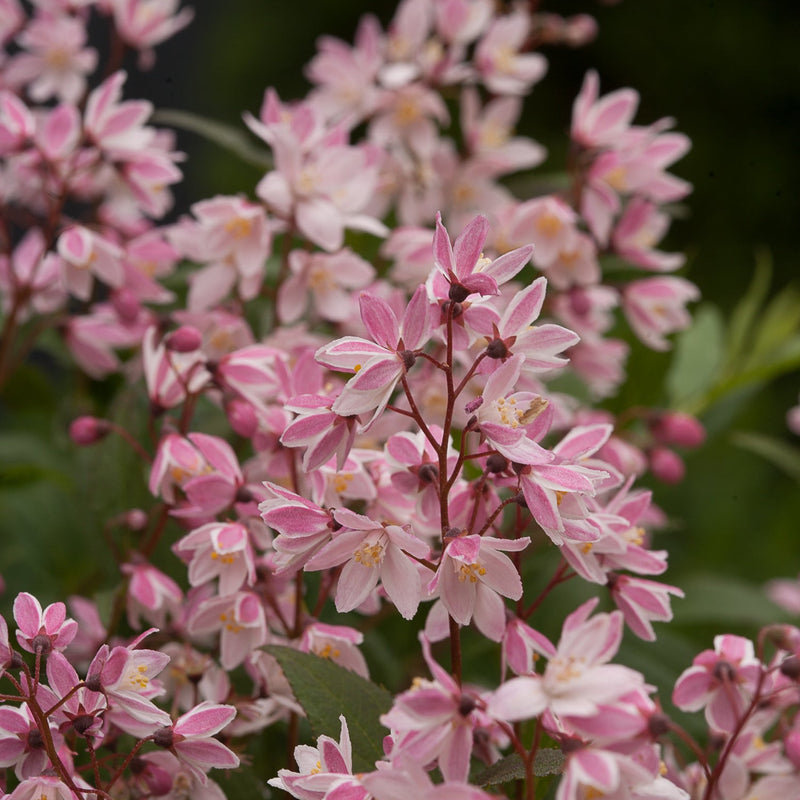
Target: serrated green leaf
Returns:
[548, 761]
[510, 768]
[231, 138]
[722, 600]
[325, 690]
[782, 455]
[698, 355]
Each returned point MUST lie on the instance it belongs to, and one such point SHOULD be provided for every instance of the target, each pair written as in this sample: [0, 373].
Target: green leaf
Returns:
[782, 455]
[226, 136]
[510, 768]
[722, 600]
[547, 761]
[325, 690]
[743, 318]
[698, 354]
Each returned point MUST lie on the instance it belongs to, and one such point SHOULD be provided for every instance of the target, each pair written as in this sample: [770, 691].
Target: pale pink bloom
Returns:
[32, 270]
[303, 526]
[504, 418]
[240, 620]
[785, 593]
[410, 249]
[656, 307]
[338, 643]
[327, 280]
[548, 221]
[435, 720]
[232, 237]
[372, 551]
[12, 18]
[86, 255]
[462, 21]
[503, 68]
[178, 460]
[409, 115]
[42, 631]
[17, 123]
[319, 429]
[721, 680]
[19, 735]
[641, 601]
[577, 678]
[600, 362]
[516, 333]
[381, 363]
[545, 486]
[116, 126]
[125, 675]
[146, 23]
[488, 132]
[602, 122]
[171, 376]
[322, 190]
[345, 76]
[218, 550]
[58, 134]
[43, 787]
[473, 575]
[56, 62]
[522, 646]
[91, 630]
[151, 594]
[147, 175]
[407, 779]
[465, 268]
[83, 710]
[576, 265]
[191, 740]
[324, 771]
[414, 468]
[640, 228]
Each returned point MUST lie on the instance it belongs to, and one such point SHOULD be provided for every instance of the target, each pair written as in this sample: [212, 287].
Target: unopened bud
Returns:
[667, 465]
[185, 339]
[88, 430]
[677, 428]
[135, 519]
[242, 417]
[579, 30]
[126, 304]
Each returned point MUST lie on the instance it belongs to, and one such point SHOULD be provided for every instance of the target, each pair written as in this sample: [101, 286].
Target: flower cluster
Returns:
[399, 426]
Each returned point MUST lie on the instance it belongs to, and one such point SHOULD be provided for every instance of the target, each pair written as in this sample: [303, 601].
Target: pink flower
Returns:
[465, 268]
[641, 601]
[472, 576]
[125, 675]
[577, 678]
[435, 720]
[219, 549]
[638, 230]
[240, 620]
[381, 363]
[56, 62]
[42, 631]
[504, 418]
[19, 737]
[190, 739]
[146, 23]
[339, 643]
[722, 680]
[85, 254]
[171, 376]
[371, 551]
[503, 68]
[151, 594]
[82, 710]
[329, 278]
[602, 122]
[323, 771]
[655, 307]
